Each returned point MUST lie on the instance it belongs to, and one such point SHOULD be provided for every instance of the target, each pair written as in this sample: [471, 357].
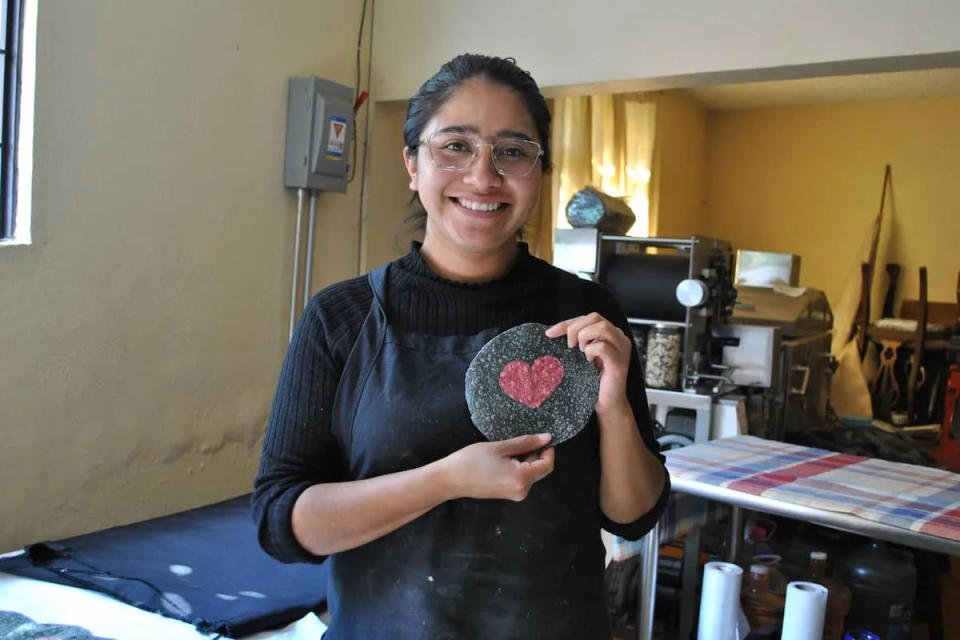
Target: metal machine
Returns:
[753, 358]
[800, 325]
[766, 349]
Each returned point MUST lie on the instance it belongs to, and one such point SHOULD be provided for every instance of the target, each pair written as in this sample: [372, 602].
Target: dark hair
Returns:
[437, 90]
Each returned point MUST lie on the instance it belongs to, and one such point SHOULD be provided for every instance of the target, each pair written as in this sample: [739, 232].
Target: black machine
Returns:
[741, 340]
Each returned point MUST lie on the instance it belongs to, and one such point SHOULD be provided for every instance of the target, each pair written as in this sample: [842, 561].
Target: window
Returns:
[10, 40]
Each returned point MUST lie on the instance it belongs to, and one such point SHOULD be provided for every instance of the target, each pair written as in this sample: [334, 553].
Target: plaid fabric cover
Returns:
[921, 499]
[917, 498]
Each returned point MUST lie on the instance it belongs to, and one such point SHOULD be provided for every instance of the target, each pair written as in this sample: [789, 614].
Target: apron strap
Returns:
[378, 284]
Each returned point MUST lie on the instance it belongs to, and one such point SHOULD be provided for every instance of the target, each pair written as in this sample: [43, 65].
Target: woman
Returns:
[370, 456]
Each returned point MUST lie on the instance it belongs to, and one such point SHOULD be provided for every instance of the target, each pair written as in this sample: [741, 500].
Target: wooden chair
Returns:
[913, 333]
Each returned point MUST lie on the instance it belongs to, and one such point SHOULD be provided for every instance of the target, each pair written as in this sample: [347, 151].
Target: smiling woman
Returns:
[371, 458]
[476, 207]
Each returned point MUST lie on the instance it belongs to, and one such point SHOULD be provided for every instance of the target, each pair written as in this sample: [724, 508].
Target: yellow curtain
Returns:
[605, 141]
[538, 231]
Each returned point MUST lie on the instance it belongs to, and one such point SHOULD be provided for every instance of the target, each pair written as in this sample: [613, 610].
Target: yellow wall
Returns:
[142, 332]
[678, 166]
[807, 180]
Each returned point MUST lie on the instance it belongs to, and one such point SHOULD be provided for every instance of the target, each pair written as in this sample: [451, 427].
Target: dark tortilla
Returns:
[523, 382]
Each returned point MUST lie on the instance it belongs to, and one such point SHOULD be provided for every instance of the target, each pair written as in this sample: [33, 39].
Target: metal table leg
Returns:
[690, 584]
[648, 584]
[736, 534]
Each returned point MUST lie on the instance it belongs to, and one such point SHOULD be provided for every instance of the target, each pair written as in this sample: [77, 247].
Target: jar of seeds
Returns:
[663, 357]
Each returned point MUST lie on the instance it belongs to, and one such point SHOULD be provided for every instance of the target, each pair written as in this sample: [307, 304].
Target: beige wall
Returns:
[807, 180]
[645, 45]
[388, 189]
[142, 332]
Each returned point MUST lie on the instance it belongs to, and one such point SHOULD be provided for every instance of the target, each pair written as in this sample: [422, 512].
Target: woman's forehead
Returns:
[469, 130]
[485, 109]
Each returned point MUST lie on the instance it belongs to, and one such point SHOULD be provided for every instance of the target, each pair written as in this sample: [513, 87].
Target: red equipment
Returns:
[947, 451]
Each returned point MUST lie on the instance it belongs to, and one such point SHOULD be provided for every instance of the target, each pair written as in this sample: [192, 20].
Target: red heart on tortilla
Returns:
[531, 385]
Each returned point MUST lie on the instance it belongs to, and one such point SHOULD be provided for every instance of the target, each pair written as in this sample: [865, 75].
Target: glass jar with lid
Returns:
[663, 357]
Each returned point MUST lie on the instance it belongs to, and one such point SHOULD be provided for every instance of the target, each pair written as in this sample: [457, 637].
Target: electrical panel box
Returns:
[319, 131]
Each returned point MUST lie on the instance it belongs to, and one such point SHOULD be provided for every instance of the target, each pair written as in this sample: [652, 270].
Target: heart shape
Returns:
[531, 385]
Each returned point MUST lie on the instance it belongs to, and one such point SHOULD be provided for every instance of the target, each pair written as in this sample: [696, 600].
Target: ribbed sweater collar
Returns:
[413, 265]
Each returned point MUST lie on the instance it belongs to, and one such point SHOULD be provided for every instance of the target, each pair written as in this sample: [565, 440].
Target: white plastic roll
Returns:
[804, 611]
[720, 602]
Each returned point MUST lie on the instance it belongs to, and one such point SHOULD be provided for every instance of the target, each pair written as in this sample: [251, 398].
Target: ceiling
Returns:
[927, 83]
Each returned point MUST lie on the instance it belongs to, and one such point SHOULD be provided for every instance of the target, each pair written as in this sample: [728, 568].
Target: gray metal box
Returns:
[575, 250]
[319, 131]
[755, 361]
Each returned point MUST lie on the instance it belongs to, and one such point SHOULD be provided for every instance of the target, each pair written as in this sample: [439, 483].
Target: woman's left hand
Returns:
[606, 346]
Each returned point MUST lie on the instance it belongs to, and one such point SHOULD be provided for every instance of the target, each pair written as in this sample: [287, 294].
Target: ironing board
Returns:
[891, 501]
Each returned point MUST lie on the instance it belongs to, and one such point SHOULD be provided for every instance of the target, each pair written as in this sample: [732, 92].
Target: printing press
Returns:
[726, 351]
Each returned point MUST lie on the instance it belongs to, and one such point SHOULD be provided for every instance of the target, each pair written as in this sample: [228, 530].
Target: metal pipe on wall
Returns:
[309, 260]
[296, 264]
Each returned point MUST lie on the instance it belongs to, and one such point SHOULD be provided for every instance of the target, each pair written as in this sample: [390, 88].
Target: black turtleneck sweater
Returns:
[299, 449]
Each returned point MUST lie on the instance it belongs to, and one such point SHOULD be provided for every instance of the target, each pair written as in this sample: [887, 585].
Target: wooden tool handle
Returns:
[893, 274]
[918, 346]
[863, 313]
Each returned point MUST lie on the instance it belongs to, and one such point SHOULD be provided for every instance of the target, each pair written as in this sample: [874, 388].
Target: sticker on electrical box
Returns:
[337, 140]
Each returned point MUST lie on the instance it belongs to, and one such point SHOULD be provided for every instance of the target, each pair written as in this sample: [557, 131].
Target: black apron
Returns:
[468, 568]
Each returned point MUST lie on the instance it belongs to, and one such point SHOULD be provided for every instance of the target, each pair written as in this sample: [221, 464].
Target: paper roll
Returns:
[720, 602]
[804, 611]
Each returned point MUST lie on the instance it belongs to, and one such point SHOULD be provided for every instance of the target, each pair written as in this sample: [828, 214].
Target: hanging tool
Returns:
[863, 313]
[893, 276]
[919, 344]
[956, 325]
[862, 318]
[885, 388]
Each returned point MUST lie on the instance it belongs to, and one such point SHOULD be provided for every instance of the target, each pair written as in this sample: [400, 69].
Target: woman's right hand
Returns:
[335, 516]
[504, 469]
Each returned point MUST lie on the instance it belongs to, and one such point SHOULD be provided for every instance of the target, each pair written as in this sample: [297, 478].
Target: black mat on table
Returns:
[202, 566]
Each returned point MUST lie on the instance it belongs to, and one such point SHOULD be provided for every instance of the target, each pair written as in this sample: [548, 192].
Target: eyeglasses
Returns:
[514, 157]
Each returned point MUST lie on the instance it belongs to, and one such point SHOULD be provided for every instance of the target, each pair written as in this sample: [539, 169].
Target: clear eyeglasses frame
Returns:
[511, 157]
